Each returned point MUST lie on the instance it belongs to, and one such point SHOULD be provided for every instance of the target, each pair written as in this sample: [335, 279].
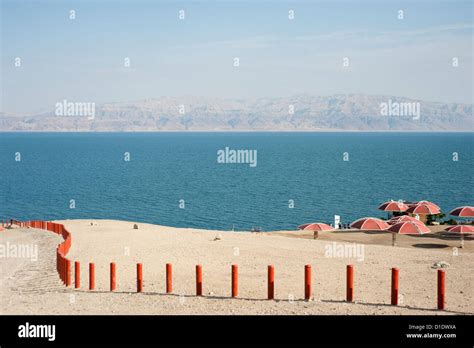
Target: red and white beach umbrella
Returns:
[423, 209]
[370, 224]
[403, 218]
[393, 206]
[461, 230]
[465, 211]
[407, 227]
[316, 226]
[428, 203]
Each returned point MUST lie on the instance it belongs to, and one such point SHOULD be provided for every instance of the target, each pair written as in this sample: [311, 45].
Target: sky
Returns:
[82, 59]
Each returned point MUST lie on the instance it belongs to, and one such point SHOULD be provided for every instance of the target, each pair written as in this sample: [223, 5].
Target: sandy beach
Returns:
[33, 287]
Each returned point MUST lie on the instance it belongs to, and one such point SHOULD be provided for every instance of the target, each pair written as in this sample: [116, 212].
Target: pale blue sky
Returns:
[82, 59]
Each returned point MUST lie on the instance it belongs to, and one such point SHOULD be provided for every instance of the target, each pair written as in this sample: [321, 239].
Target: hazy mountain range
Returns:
[297, 113]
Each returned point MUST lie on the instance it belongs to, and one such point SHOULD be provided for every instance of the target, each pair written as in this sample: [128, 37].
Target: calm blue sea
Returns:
[165, 168]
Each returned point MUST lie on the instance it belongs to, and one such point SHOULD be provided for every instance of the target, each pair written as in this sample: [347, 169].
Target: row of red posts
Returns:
[63, 266]
[271, 282]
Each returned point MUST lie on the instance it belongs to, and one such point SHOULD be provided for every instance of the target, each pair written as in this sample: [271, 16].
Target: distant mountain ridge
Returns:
[352, 112]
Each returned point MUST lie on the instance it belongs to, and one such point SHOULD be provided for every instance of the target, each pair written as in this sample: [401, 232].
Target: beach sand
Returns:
[29, 287]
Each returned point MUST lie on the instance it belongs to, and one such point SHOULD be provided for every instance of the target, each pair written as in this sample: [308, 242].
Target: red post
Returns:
[235, 281]
[113, 284]
[198, 280]
[139, 277]
[65, 271]
[61, 269]
[271, 282]
[350, 283]
[441, 288]
[91, 276]
[61, 266]
[307, 282]
[68, 272]
[394, 286]
[77, 275]
[169, 278]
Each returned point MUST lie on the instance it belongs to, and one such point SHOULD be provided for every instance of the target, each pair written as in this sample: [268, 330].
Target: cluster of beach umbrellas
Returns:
[403, 224]
[466, 212]
[420, 207]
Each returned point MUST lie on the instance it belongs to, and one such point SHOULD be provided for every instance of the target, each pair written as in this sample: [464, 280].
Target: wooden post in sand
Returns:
[169, 278]
[307, 282]
[139, 277]
[394, 301]
[68, 272]
[271, 282]
[441, 288]
[64, 272]
[198, 280]
[113, 284]
[91, 276]
[235, 281]
[77, 275]
[60, 266]
[350, 283]
[57, 260]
